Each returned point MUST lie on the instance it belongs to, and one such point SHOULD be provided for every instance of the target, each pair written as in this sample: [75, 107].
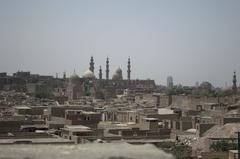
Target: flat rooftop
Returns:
[36, 141]
[151, 119]
[77, 128]
[164, 111]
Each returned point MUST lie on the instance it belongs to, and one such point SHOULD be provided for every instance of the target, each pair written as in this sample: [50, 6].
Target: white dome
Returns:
[88, 74]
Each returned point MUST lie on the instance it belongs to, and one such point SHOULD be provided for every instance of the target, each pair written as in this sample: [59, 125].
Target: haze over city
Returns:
[190, 40]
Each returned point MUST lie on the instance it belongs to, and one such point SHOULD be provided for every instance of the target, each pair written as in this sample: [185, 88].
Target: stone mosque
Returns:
[90, 85]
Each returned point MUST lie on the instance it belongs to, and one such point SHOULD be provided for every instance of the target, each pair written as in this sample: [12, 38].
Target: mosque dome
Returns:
[89, 74]
[74, 78]
[117, 75]
[119, 71]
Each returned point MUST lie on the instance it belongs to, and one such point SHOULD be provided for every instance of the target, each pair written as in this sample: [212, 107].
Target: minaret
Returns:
[234, 87]
[107, 69]
[91, 68]
[100, 73]
[64, 75]
[129, 69]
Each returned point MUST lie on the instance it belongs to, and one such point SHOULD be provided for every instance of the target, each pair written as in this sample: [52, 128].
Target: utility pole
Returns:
[238, 143]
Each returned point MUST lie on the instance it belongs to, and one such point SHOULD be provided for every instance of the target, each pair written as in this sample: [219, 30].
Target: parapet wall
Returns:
[191, 102]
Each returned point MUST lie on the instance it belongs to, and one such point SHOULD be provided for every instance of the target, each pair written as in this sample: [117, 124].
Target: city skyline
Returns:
[99, 75]
[191, 41]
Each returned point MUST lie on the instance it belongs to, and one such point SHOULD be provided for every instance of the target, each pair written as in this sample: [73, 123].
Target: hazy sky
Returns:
[188, 39]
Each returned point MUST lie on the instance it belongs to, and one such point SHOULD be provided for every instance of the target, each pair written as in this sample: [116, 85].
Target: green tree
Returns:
[223, 146]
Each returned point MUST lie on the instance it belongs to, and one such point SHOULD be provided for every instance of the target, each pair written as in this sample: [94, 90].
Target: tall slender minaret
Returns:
[234, 87]
[64, 75]
[91, 68]
[107, 69]
[129, 69]
[100, 73]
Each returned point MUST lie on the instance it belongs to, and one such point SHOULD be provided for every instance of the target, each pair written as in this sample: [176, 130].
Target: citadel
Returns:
[88, 84]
